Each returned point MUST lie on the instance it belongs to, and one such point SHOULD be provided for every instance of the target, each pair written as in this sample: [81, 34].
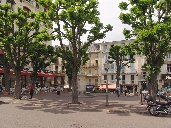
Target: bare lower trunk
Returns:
[74, 88]
[6, 74]
[152, 86]
[17, 86]
[7, 78]
[70, 83]
[117, 82]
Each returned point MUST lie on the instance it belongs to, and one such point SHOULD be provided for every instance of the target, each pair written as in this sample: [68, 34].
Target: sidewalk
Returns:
[95, 104]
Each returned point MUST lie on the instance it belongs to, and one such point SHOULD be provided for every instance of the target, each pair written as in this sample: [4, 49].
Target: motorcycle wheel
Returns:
[152, 111]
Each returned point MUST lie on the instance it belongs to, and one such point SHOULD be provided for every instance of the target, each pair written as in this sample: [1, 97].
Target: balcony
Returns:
[92, 65]
[90, 75]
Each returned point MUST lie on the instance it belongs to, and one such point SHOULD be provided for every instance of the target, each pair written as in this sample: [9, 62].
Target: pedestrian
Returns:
[58, 89]
[31, 90]
[125, 90]
[118, 91]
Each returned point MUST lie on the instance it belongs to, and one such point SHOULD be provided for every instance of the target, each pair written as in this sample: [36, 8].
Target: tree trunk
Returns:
[7, 78]
[152, 86]
[6, 74]
[17, 86]
[117, 82]
[70, 83]
[74, 86]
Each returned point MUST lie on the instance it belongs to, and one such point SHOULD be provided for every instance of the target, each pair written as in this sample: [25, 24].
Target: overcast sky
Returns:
[109, 13]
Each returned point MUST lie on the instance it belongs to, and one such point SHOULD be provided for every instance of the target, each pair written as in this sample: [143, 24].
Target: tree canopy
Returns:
[19, 31]
[74, 19]
[119, 55]
[150, 22]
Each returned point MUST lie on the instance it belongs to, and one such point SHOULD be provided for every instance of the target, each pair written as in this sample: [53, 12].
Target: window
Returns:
[105, 58]
[169, 54]
[168, 67]
[143, 74]
[96, 61]
[96, 81]
[132, 77]
[132, 66]
[105, 77]
[63, 68]
[112, 77]
[123, 77]
[104, 47]
[56, 68]
[89, 71]
[89, 81]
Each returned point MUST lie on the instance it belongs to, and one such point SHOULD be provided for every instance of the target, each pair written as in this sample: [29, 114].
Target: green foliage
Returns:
[119, 56]
[20, 31]
[41, 56]
[152, 30]
[72, 18]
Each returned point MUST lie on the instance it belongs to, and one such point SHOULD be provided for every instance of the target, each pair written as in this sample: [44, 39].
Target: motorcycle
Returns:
[155, 108]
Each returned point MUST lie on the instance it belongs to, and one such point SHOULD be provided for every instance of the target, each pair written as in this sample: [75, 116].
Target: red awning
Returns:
[110, 86]
[46, 74]
[26, 73]
[1, 52]
[2, 71]
[49, 75]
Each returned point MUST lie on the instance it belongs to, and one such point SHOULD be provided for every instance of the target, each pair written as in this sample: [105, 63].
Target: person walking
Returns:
[125, 90]
[31, 90]
[58, 89]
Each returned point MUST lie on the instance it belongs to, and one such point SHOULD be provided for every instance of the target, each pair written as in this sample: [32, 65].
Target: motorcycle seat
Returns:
[161, 103]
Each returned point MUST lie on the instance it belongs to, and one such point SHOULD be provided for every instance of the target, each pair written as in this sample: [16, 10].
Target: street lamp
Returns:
[106, 67]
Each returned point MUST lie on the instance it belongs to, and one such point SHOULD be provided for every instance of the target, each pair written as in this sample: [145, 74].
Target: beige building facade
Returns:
[93, 75]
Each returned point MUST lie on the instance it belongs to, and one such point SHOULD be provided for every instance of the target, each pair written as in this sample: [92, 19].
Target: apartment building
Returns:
[29, 6]
[93, 75]
[129, 76]
[91, 70]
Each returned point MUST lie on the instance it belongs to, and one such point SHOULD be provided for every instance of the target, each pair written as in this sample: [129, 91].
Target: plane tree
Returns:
[122, 56]
[19, 29]
[73, 19]
[150, 23]
[41, 56]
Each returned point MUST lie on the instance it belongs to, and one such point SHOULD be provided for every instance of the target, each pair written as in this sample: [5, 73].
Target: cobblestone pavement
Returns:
[51, 111]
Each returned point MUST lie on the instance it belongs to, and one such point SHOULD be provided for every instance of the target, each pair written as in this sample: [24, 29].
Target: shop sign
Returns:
[168, 77]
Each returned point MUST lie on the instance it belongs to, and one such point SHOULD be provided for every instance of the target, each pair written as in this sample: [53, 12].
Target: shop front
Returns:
[131, 88]
[89, 88]
[166, 80]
